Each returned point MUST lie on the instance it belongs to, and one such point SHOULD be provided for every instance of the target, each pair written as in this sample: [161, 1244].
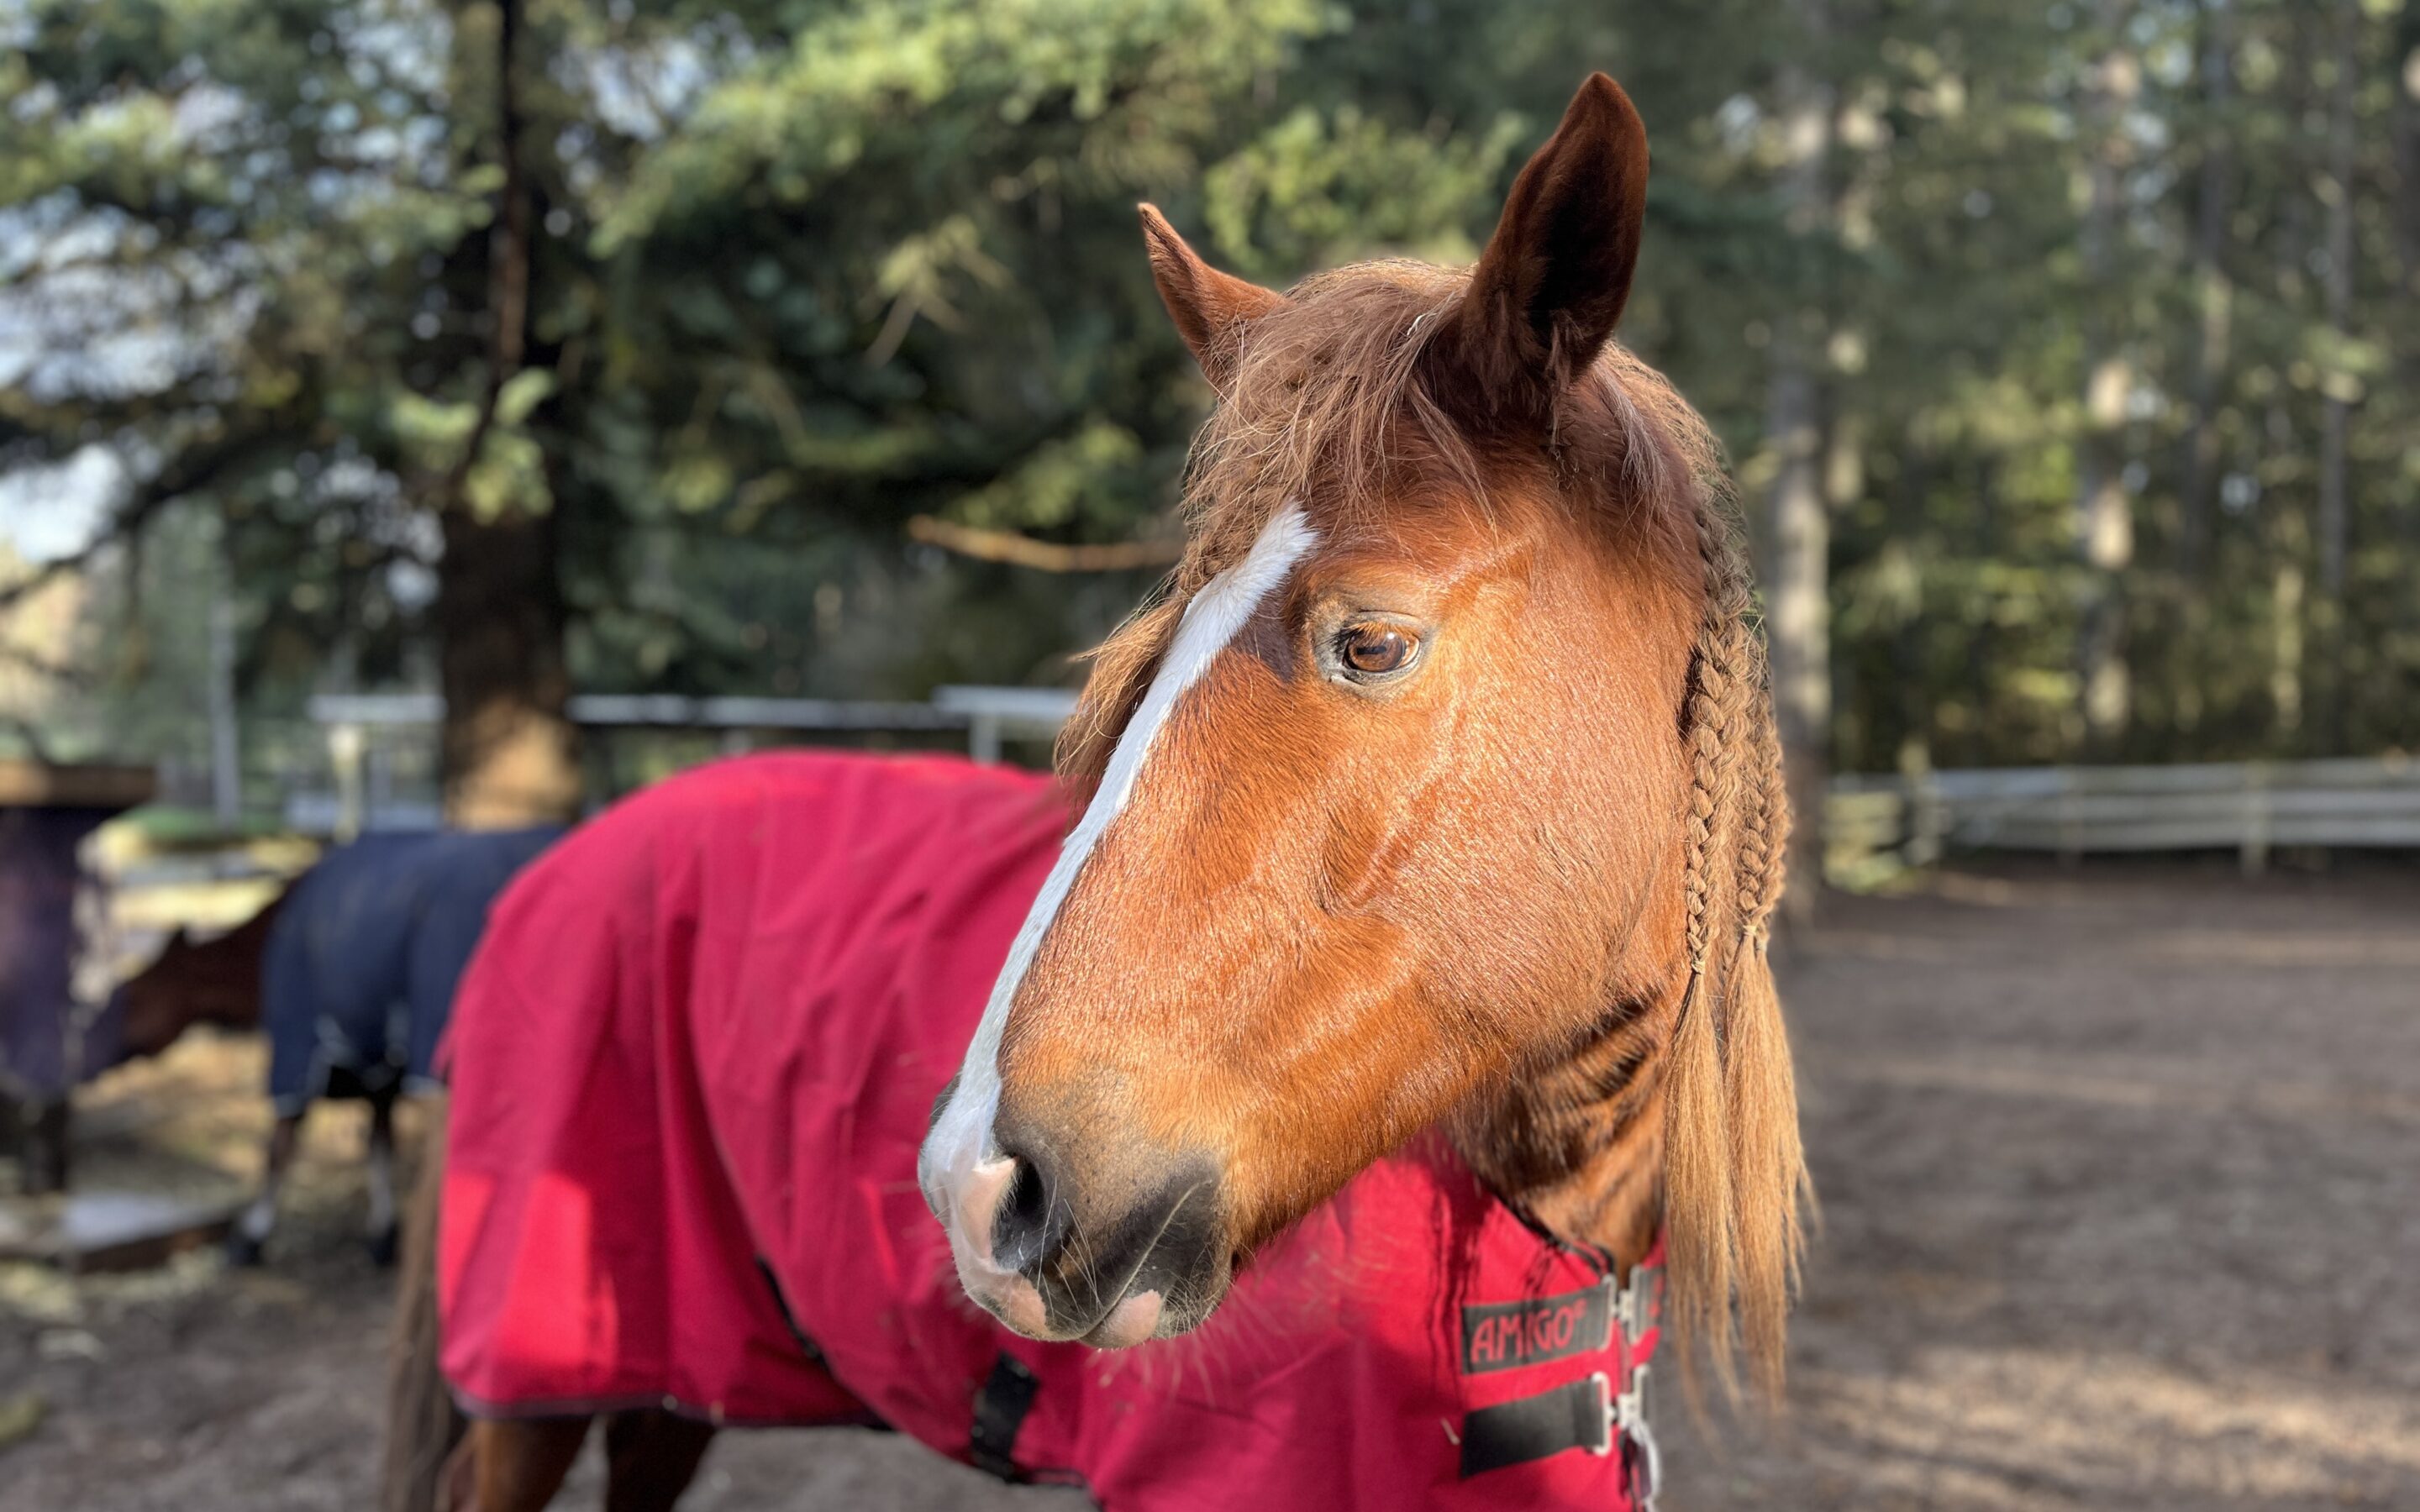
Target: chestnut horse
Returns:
[1439, 790]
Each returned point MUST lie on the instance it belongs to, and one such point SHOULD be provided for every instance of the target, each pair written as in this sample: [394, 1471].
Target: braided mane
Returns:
[1330, 402]
[1734, 1171]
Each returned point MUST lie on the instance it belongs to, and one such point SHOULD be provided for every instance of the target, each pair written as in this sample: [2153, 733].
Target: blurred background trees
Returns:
[2065, 353]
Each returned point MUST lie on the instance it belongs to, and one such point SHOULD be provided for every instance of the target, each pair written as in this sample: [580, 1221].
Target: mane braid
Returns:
[1699, 1205]
[1735, 1170]
[1761, 1089]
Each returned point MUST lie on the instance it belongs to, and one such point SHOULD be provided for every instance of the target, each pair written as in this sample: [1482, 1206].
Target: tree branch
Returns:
[40, 666]
[192, 471]
[1044, 556]
[29, 736]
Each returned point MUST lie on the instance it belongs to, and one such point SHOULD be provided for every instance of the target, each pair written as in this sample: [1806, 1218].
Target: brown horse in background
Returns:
[214, 981]
[1440, 789]
[351, 973]
[217, 981]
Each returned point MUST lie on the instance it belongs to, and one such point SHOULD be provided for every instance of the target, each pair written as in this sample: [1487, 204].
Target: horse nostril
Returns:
[1031, 1226]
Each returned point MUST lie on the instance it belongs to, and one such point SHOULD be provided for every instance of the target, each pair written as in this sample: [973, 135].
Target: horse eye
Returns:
[1374, 649]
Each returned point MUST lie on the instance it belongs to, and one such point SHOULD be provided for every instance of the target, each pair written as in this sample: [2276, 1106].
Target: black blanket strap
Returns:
[1000, 1407]
[789, 1320]
[1568, 1417]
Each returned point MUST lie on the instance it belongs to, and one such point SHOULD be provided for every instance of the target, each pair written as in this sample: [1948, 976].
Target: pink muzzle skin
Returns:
[1010, 1297]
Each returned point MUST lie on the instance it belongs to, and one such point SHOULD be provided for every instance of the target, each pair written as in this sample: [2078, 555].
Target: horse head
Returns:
[1438, 788]
[215, 981]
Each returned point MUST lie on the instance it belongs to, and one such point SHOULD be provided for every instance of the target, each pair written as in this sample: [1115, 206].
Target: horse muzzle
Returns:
[1054, 1261]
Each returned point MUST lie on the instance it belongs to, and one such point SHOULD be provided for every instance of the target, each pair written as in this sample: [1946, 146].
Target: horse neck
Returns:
[233, 1004]
[1579, 1144]
[224, 976]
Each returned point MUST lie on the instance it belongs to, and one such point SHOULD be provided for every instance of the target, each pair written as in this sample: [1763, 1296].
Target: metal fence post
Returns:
[345, 743]
[1930, 828]
[226, 750]
[2259, 819]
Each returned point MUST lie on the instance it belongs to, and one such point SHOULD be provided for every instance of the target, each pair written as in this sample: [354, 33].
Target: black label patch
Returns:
[1500, 1336]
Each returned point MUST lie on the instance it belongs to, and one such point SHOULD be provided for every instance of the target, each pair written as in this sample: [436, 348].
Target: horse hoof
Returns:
[242, 1249]
[382, 1247]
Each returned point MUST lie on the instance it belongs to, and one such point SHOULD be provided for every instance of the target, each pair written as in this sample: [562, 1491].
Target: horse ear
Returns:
[1210, 308]
[1549, 290]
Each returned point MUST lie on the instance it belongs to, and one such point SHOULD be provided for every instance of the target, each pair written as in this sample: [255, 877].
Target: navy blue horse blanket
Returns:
[362, 960]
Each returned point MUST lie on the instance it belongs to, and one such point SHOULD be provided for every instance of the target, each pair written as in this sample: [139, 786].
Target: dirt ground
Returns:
[2121, 1182]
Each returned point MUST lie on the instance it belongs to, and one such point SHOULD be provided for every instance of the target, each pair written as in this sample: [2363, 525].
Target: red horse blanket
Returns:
[691, 1064]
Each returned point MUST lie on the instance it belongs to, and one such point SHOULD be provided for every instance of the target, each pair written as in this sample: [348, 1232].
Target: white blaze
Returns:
[961, 1136]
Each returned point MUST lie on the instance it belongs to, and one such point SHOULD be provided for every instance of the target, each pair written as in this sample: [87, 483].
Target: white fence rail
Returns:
[361, 798]
[2250, 808]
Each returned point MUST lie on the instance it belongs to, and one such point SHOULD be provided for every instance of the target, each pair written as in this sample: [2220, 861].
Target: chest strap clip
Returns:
[1640, 1305]
[1627, 1425]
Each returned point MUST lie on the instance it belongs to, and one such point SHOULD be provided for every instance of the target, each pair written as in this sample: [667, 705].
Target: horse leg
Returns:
[424, 1427]
[44, 1157]
[651, 1456]
[510, 1464]
[383, 1229]
[260, 1219]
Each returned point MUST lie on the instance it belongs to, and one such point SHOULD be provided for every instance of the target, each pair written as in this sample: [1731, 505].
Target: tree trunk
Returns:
[2334, 672]
[2286, 638]
[1798, 609]
[2287, 445]
[2105, 520]
[2406, 117]
[2335, 521]
[509, 752]
[1986, 654]
[2216, 198]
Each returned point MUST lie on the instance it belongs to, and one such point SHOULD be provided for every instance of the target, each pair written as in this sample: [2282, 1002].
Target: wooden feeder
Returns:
[47, 1043]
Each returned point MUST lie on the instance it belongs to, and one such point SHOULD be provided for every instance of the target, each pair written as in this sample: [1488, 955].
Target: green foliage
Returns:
[804, 269]
[1322, 188]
